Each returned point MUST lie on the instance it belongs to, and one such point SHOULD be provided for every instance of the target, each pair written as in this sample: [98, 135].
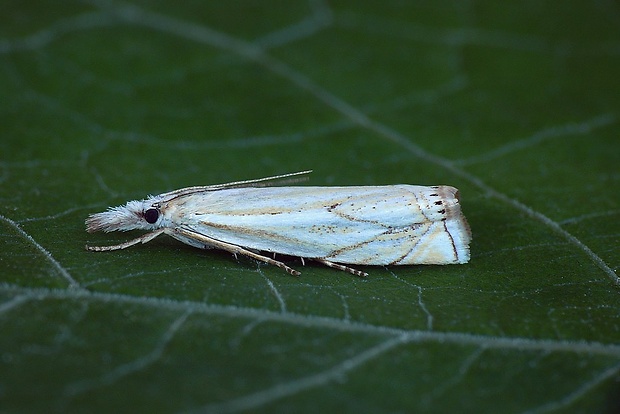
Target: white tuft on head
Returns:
[123, 218]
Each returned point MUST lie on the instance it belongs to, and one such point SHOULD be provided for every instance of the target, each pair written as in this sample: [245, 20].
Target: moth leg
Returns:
[145, 238]
[232, 248]
[342, 267]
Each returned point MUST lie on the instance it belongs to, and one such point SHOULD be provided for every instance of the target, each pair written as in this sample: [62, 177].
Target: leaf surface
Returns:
[516, 104]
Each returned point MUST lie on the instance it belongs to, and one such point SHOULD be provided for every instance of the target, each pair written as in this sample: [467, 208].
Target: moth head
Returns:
[135, 215]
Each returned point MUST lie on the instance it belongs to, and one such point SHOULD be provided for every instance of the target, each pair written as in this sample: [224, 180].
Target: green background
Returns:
[515, 103]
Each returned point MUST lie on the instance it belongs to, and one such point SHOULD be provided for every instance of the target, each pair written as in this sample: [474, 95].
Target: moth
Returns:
[336, 226]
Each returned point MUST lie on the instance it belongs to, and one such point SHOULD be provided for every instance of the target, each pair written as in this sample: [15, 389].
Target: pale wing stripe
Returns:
[456, 254]
[415, 245]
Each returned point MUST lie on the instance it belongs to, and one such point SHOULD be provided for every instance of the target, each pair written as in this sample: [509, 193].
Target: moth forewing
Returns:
[337, 226]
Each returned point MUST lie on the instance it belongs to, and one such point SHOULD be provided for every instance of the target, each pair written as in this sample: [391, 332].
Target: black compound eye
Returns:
[151, 215]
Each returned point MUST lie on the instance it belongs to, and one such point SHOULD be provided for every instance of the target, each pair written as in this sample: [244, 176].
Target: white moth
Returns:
[374, 225]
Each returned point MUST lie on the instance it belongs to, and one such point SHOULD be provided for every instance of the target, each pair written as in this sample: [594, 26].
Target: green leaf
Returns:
[514, 103]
